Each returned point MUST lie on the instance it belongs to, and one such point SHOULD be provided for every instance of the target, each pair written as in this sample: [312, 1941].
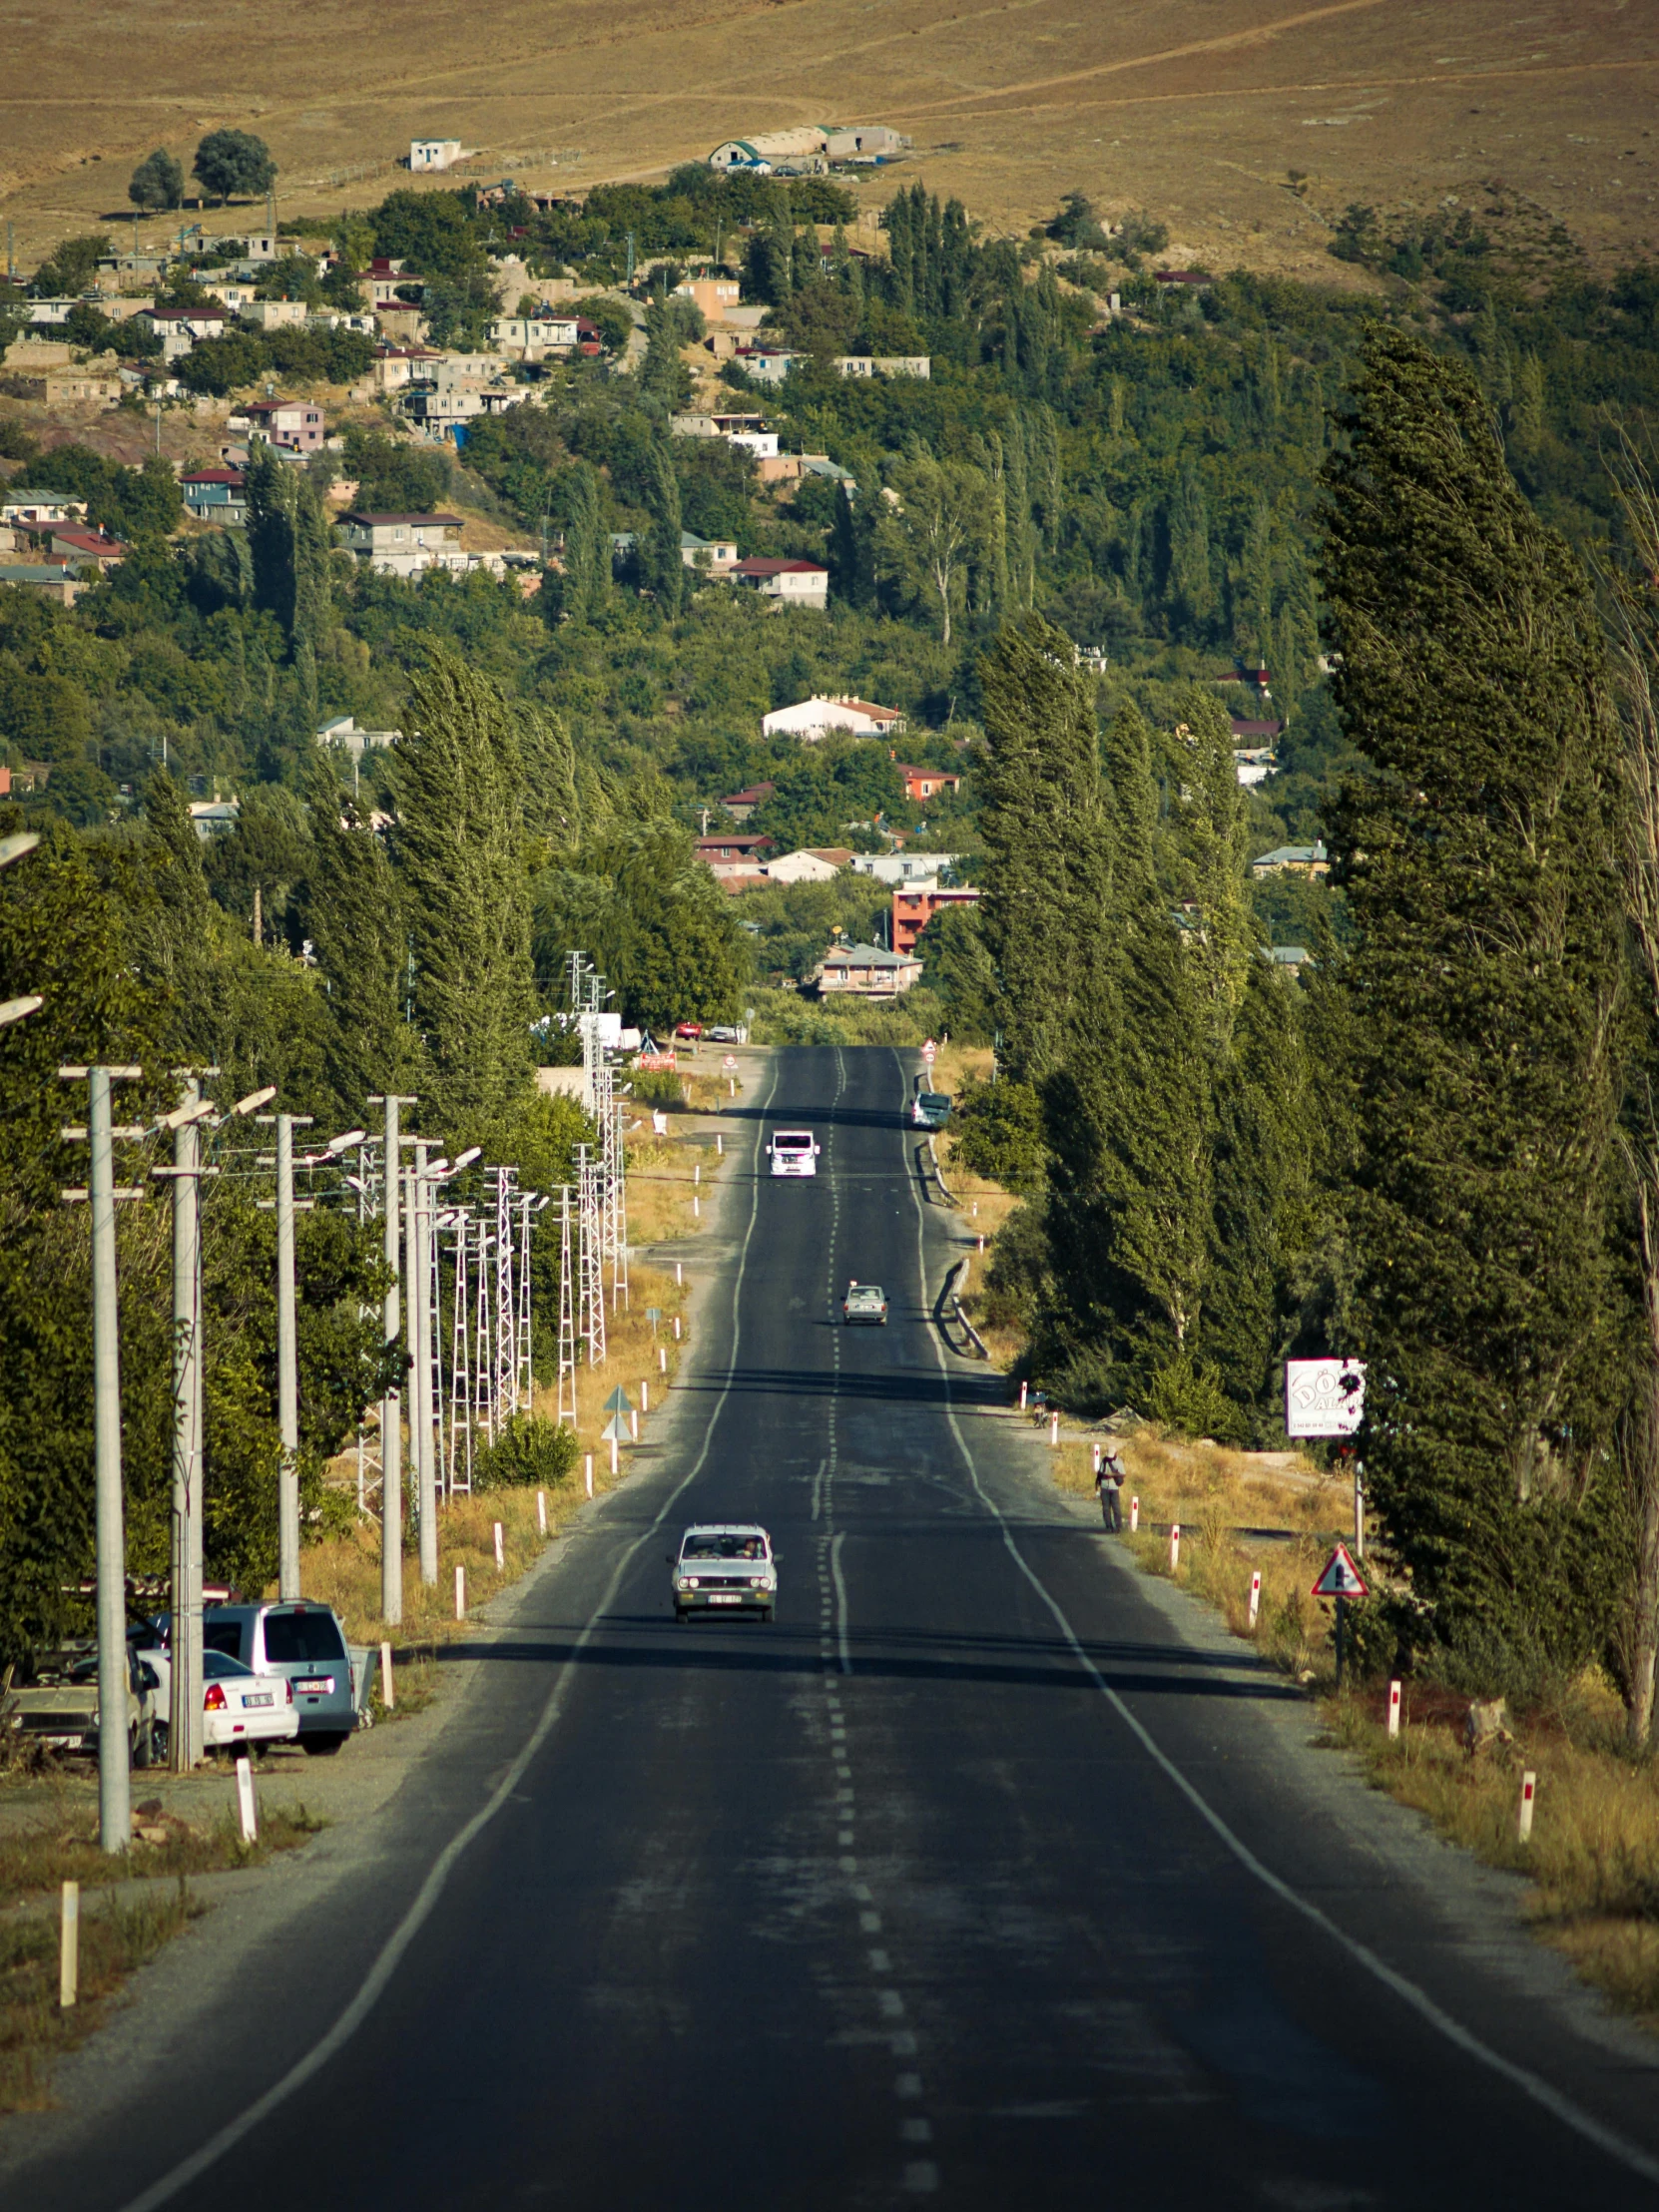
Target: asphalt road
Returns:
[984, 1874]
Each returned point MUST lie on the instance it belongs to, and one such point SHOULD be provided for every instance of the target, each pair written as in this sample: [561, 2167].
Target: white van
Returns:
[794, 1152]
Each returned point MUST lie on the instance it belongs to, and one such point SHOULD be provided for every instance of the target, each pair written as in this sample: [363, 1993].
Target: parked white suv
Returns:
[794, 1152]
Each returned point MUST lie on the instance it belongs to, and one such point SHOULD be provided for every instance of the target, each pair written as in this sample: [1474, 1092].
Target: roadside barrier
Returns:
[1255, 1598]
[1524, 1822]
[973, 1334]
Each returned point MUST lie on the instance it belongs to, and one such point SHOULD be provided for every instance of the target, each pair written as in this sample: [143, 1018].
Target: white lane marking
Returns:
[408, 1927]
[921, 2177]
[1542, 2092]
[841, 1600]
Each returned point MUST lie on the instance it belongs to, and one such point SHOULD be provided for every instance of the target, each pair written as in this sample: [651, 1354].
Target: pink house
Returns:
[292, 423]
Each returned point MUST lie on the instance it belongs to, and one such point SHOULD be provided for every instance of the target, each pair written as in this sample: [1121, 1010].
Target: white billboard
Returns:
[1323, 1398]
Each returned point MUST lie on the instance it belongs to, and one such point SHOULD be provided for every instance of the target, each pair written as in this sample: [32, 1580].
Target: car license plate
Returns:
[721, 1597]
[266, 1698]
[320, 1684]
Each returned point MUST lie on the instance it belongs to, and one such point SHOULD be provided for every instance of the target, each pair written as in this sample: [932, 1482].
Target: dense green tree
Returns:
[460, 862]
[1478, 855]
[291, 548]
[230, 162]
[1043, 828]
[157, 182]
[354, 919]
[662, 570]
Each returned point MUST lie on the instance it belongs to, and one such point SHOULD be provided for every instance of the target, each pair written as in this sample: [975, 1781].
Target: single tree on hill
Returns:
[230, 162]
[157, 182]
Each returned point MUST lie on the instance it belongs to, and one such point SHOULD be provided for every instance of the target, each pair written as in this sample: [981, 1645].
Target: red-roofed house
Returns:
[737, 853]
[741, 805]
[796, 583]
[927, 783]
[68, 542]
[216, 494]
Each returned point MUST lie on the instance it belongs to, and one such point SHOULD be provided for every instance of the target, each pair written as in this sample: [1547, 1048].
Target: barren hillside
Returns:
[1198, 109]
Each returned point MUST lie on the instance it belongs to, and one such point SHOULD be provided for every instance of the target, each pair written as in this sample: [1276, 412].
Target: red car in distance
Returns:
[691, 1030]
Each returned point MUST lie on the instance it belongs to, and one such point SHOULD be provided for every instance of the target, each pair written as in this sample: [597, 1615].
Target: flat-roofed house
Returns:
[402, 544]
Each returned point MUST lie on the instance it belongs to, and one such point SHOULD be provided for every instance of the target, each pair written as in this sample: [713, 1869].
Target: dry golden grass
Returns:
[1199, 115]
[1240, 1514]
[115, 1935]
[1594, 1851]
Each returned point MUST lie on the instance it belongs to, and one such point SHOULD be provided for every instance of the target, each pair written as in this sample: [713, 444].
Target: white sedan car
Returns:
[237, 1706]
[725, 1564]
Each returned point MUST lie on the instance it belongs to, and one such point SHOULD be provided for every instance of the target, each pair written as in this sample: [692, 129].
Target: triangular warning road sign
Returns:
[1341, 1578]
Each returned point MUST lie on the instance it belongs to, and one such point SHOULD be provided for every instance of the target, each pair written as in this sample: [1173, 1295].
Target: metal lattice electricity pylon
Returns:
[591, 1259]
[567, 1315]
[619, 1209]
[483, 1402]
[525, 1374]
[504, 1379]
[461, 1371]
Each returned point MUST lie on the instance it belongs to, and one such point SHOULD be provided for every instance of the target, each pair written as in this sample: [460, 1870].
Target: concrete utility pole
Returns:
[287, 1366]
[418, 1199]
[184, 1727]
[114, 1780]
[392, 1408]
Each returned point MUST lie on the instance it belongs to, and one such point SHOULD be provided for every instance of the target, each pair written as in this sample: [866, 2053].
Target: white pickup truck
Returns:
[794, 1152]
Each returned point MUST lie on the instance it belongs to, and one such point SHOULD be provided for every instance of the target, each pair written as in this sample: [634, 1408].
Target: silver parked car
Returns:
[725, 1566]
[303, 1641]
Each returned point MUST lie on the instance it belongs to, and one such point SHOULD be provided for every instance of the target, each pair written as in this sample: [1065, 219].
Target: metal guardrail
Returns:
[939, 1175]
[951, 1291]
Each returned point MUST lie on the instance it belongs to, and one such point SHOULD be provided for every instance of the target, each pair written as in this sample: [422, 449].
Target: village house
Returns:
[709, 556]
[59, 581]
[811, 146]
[903, 867]
[710, 296]
[725, 854]
[913, 909]
[215, 496]
[234, 297]
[818, 716]
[796, 583]
[925, 782]
[61, 386]
[429, 154]
[275, 314]
[741, 805]
[77, 542]
[403, 544]
[811, 864]
[293, 424]
[865, 972]
[180, 327]
[535, 335]
[20, 504]
[343, 733]
[1293, 859]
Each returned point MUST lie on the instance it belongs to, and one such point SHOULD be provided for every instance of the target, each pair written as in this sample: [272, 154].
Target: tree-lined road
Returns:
[970, 1878]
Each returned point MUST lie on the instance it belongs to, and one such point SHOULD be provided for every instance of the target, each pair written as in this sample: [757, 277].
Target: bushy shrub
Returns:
[529, 1453]
[1187, 1395]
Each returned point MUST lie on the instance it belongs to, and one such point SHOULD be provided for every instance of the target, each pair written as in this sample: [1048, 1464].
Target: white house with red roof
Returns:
[818, 716]
[796, 583]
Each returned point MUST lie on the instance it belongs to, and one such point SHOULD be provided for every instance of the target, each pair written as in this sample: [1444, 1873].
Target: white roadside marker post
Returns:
[633, 1424]
[613, 1460]
[587, 1472]
[387, 1692]
[720, 1146]
[697, 1174]
[1174, 1546]
[678, 1275]
[460, 1594]
[500, 1552]
[248, 1810]
[1134, 1514]
[662, 1359]
[1095, 1469]
[1255, 1598]
[69, 1946]
[676, 1329]
[1053, 1429]
[1022, 1397]
[645, 1405]
[541, 1512]
[1529, 1790]
[697, 1207]
[734, 1082]
[1394, 1709]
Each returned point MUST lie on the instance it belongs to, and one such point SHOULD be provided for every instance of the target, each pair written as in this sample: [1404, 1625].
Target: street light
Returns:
[337, 1145]
[254, 1100]
[465, 1159]
[193, 1109]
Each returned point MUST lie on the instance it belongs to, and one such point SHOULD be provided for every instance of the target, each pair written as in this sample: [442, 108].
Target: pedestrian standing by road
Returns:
[1107, 1483]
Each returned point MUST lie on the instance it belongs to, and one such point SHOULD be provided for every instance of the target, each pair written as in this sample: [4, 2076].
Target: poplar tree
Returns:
[661, 569]
[460, 863]
[1479, 854]
[1044, 828]
[359, 937]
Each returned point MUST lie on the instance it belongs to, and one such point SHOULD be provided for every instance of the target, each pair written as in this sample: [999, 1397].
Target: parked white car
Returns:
[794, 1152]
[237, 1706]
[724, 1565]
